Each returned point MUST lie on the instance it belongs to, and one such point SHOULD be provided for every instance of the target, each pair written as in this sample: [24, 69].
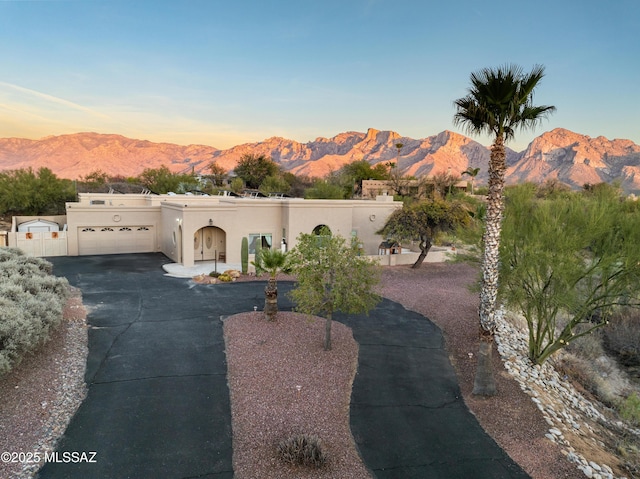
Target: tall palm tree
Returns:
[272, 261]
[499, 101]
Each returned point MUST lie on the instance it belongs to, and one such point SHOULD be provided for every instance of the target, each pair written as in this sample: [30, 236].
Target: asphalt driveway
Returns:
[158, 401]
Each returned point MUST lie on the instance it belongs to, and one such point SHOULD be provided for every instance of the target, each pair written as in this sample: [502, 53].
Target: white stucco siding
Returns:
[303, 217]
[371, 216]
[109, 224]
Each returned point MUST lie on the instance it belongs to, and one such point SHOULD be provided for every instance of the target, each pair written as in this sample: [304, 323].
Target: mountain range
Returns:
[560, 154]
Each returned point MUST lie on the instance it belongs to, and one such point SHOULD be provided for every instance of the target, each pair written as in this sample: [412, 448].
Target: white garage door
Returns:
[109, 240]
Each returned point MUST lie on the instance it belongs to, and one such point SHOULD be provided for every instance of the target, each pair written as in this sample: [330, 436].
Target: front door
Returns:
[209, 244]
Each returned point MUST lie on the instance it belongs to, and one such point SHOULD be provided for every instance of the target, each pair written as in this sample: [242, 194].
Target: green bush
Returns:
[630, 409]
[31, 303]
[225, 278]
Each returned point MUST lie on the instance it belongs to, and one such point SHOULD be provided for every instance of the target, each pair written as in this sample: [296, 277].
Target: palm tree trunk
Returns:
[484, 383]
[271, 300]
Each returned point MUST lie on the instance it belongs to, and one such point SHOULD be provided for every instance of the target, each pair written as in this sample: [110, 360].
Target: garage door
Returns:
[109, 240]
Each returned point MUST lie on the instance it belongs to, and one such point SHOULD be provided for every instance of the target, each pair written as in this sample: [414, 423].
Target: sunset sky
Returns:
[225, 73]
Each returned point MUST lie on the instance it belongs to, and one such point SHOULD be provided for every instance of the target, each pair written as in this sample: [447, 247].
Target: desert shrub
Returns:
[628, 449]
[588, 347]
[31, 302]
[214, 274]
[601, 378]
[303, 450]
[622, 337]
[9, 253]
[225, 278]
[630, 409]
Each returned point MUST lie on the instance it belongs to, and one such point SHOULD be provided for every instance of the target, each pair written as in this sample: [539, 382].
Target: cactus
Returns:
[244, 255]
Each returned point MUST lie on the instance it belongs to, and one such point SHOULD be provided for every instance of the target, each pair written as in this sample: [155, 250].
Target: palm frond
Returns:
[499, 101]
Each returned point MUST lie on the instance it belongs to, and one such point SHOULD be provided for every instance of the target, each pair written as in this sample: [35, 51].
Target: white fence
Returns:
[45, 243]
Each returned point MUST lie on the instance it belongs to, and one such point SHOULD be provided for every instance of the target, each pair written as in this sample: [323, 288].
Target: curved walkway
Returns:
[158, 401]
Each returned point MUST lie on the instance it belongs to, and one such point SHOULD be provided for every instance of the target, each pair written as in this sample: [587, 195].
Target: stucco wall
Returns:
[304, 216]
[176, 219]
[369, 217]
[81, 215]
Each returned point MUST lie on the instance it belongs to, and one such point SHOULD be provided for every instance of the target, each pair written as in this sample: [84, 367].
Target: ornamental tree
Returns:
[422, 221]
[332, 277]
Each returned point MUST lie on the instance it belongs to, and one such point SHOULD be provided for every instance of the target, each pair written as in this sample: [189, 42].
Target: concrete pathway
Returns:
[158, 401]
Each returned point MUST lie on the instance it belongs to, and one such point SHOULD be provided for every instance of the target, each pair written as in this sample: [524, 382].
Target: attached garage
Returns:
[115, 240]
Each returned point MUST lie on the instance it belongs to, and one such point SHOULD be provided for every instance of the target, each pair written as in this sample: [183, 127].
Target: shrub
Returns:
[630, 409]
[214, 274]
[31, 303]
[225, 278]
[600, 378]
[302, 449]
[622, 337]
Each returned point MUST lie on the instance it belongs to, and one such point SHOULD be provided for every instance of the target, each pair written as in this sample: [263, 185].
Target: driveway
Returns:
[158, 400]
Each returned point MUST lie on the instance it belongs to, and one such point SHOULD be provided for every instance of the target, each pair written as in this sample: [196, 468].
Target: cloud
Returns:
[52, 99]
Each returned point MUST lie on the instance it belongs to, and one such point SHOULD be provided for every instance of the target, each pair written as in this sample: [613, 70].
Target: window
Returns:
[322, 229]
[262, 240]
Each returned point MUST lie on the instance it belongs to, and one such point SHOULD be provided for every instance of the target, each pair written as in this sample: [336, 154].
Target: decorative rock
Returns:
[587, 471]
[562, 406]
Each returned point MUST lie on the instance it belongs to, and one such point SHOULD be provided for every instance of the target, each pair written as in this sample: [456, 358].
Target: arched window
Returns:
[322, 230]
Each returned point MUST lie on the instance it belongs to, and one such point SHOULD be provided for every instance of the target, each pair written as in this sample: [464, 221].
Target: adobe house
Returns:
[188, 228]
[418, 188]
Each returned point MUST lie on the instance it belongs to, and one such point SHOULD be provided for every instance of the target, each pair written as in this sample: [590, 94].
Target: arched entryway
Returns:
[210, 243]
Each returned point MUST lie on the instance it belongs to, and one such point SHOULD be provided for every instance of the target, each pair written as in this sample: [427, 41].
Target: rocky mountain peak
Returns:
[570, 157]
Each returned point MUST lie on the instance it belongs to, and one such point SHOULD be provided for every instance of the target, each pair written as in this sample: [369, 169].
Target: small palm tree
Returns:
[272, 261]
[499, 101]
[472, 172]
